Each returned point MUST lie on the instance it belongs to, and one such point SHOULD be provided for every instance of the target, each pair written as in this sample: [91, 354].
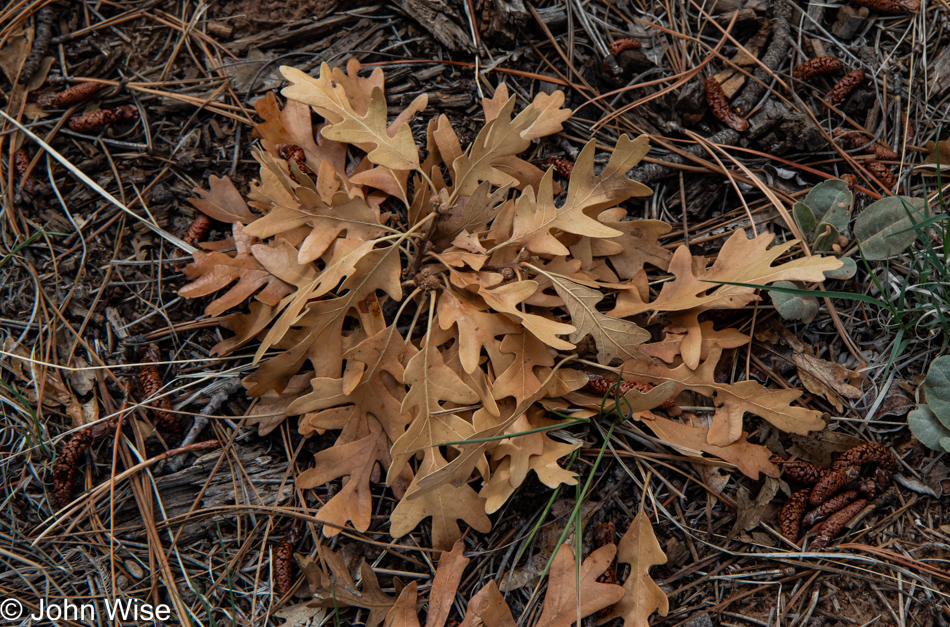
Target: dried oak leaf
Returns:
[488, 608]
[732, 400]
[741, 260]
[357, 461]
[566, 593]
[337, 588]
[354, 120]
[587, 196]
[214, 271]
[640, 549]
[445, 584]
[223, 202]
[670, 346]
[615, 338]
[403, 612]
[750, 459]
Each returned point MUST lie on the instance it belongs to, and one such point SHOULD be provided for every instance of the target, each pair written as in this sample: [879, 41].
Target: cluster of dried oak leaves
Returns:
[430, 310]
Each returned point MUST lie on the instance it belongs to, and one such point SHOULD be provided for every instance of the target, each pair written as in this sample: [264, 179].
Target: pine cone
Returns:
[800, 471]
[834, 504]
[561, 166]
[844, 87]
[21, 162]
[198, 230]
[98, 120]
[297, 155]
[790, 518]
[74, 95]
[284, 562]
[819, 66]
[719, 106]
[882, 173]
[151, 382]
[830, 483]
[870, 453]
[67, 466]
[890, 7]
[620, 45]
[836, 523]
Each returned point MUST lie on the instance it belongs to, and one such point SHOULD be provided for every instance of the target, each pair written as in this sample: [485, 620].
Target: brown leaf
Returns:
[587, 195]
[403, 612]
[567, 597]
[223, 202]
[750, 459]
[392, 147]
[488, 607]
[732, 400]
[445, 584]
[336, 591]
[640, 549]
[670, 346]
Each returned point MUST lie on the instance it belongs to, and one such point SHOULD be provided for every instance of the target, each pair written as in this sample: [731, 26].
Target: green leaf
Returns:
[827, 235]
[845, 272]
[804, 217]
[937, 389]
[794, 306]
[831, 201]
[924, 425]
[884, 229]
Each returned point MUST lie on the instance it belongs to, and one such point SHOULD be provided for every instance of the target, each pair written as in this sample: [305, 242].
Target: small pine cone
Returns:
[620, 45]
[74, 95]
[297, 155]
[882, 152]
[882, 173]
[907, 128]
[284, 562]
[98, 120]
[868, 453]
[819, 66]
[717, 102]
[151, 381]
[67, 466]
[830, 483]
[21, 162]
[198, 230]
[844, 87]
[604, 534]
[850, 179]
[890, 7]
[836, 523]
[790, 518]
[561, 166]
[800, 471]
[850, 140]
[836, 503]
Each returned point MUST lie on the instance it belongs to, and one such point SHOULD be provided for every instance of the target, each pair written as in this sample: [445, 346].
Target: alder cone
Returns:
[72, 96]
[67, 466]
[882, 173]
[98, 120]
[836, 523]
[720, 108]
[844, 87]
[819, 66]
[620, 45]
[790, 518]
